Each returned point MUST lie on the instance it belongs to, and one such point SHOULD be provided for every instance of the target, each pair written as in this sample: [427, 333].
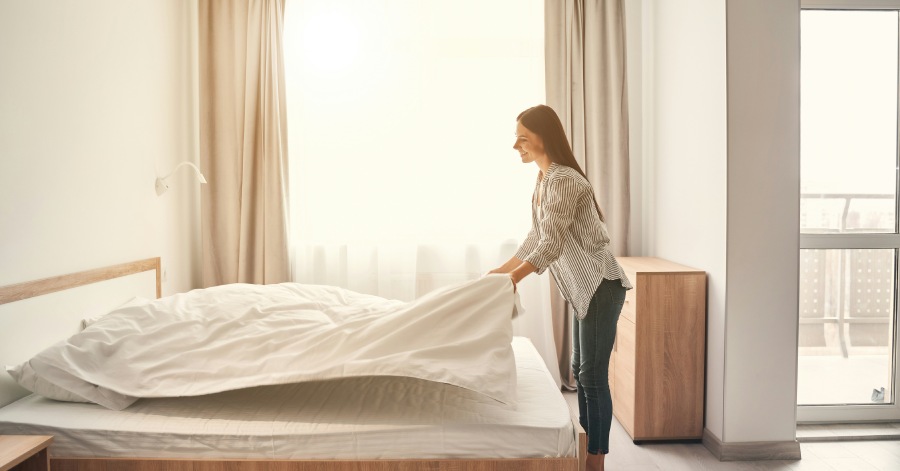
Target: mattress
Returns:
[354, 419]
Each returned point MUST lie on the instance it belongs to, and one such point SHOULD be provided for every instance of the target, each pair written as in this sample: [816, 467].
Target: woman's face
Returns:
[529, 145]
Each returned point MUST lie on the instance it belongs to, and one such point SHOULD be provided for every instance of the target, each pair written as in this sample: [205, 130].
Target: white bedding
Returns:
[238, 336]
[356, 418]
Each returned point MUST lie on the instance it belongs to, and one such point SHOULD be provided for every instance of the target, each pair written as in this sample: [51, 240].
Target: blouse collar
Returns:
[552, 168]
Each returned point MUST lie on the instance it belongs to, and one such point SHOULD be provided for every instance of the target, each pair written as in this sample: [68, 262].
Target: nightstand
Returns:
[24, 452]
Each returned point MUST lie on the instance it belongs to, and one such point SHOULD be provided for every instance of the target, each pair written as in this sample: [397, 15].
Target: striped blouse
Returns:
[568, 236]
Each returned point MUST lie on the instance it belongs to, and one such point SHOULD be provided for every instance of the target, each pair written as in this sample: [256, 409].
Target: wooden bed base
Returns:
[112, 464]
[31, 289]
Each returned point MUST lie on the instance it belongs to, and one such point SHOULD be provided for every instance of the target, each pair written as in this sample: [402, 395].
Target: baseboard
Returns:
[750, 451]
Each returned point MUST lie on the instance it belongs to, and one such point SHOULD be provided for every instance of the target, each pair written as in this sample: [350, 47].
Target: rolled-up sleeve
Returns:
[558, 211]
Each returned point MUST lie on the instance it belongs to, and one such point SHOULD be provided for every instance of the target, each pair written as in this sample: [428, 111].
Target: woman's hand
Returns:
[520, 272]
[501, 271]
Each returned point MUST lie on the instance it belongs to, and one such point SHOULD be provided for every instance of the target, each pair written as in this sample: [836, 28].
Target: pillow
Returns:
[54, 383]
[26, 377]
[135, 301]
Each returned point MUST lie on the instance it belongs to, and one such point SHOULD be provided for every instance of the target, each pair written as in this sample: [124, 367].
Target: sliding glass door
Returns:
[850, 238]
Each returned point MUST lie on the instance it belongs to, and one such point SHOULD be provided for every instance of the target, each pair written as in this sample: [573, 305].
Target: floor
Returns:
[833, 379]
[866, 455]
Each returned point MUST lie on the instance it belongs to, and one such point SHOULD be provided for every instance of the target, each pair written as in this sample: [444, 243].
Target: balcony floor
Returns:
[833, 379]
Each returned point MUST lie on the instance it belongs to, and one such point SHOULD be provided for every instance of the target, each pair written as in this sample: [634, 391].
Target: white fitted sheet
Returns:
[353, 418]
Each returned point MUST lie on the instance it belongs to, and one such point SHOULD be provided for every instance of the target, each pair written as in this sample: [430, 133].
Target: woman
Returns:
[568, 235]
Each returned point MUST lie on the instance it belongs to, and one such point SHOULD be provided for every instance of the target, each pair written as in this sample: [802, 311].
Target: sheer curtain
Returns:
[401, 121]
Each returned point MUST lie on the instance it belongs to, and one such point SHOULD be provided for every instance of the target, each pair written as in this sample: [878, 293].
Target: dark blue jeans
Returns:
[592, 340]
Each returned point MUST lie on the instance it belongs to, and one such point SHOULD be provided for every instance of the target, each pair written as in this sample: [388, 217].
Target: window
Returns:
[848, 214]
[401, 121]
[402, 118]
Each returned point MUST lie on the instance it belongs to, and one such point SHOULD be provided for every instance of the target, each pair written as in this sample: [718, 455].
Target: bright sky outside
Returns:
[848, 117]
[849, 101]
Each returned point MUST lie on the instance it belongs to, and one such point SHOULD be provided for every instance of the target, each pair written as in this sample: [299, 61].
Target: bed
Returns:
[369, 423]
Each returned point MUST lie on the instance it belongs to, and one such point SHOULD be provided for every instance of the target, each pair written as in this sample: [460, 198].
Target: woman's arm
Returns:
[563, 195]
[530, 242]
[507, 267]
[516, 268]
[524, 269]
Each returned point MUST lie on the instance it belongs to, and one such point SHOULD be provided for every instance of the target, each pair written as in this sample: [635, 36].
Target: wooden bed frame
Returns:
[31, 289]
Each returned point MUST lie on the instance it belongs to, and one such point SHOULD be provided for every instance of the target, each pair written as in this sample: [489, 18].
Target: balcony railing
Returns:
[847, 295]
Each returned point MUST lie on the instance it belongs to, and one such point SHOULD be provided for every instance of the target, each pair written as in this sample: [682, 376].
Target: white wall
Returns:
[97, 98]
[763, 220]
[634, 69]
[721, 183]
[686, 152]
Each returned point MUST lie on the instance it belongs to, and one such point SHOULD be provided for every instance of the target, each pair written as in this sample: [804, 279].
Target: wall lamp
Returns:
[162, 186]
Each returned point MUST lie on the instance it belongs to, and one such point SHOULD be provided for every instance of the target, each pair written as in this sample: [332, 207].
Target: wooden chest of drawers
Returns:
[24, 452]
[657, 369]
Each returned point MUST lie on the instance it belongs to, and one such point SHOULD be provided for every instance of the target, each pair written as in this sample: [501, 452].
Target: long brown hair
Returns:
[544, 122]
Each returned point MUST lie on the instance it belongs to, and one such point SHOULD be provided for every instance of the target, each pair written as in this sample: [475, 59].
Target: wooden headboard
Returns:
[37, 314]
[30, 289]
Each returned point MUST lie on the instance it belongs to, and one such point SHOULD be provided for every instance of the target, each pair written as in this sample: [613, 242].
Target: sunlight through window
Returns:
[848, 210]
[401, 117]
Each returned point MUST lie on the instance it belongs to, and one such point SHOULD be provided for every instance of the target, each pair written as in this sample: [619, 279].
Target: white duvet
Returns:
[240, 335]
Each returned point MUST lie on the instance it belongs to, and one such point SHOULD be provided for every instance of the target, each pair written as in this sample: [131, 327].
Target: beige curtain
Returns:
[586, 85]
[243, 142]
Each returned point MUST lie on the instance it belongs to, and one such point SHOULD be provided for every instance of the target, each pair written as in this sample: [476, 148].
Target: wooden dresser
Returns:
[24, 452]
[657, 367]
